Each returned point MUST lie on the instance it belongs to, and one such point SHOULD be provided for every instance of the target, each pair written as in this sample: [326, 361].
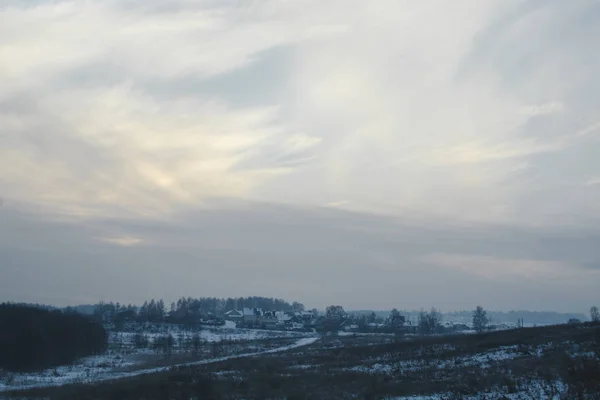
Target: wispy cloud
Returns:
[399, 145]
[592, 182]
[111, 147]
[125, 241]
[497, 268]
[433, 262]
[542, 109]
[476, 153]
[112, 108]
[338, 204]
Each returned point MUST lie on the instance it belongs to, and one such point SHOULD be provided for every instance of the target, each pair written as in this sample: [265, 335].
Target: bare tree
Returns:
[297, 307]
[480, 319]
[594, 314]
[140, 341]
[430, 322]
[372, 317]
[196, 344]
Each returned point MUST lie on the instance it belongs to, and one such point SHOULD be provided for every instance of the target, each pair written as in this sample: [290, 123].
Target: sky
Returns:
[398, 153]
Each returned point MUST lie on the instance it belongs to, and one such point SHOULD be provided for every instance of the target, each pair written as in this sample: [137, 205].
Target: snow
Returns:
[303, 366]
[383, 367]
[102, 368]
[375, 369]
[535, 390]
[350, 333]
[227, 332]
[229, 325]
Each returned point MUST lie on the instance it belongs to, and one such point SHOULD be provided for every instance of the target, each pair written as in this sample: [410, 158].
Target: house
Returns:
[306, 317]
[246, 316]
[283, 317]
[295, 326]
[269, 320]
[252, 316]
[235, 316]
[461, 327]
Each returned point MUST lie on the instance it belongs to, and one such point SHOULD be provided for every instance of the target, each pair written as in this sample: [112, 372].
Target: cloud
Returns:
[495, 268]
[338, 204]
[390, 142]
[408, 127]
[145, 108]
[125, 241]
[476, 153]
[113, 148]
[592, 182]
[542, 109]
[396, 262]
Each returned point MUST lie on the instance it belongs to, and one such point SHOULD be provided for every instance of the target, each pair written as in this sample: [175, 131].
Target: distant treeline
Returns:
[184, 310]
[528, 317]
[33, 337]
[496, 317]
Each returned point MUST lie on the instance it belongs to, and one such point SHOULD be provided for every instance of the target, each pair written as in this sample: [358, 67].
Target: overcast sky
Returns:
[397, 153]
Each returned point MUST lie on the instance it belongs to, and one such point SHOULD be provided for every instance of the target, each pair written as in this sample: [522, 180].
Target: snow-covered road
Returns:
[120, 375]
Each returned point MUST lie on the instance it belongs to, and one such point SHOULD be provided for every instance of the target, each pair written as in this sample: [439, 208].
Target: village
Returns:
[281, 320]
[199, 313]
[273, 315]
[336, 320]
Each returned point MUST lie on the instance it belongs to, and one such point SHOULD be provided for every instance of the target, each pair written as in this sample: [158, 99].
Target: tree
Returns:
[480, 319]
[196, 343]
[396, 319]
[297, 307]
[430, 322]
[164, 344]
[335, 313]
[140, 341]
[594, 314]
[170, 343]
[372, 317]
[331, 323]
[32, 337]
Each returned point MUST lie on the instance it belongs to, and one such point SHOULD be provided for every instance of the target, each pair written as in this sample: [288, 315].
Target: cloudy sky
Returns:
[398, 153]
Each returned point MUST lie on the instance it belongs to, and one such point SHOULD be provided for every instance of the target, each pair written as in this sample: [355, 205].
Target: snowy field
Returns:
[183, 337]
[542, 363]
[124, 358]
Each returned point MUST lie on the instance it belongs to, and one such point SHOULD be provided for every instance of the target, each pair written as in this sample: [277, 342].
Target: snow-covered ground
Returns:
[533, 390]
[483, 360]
[210, 335]
[124, 359]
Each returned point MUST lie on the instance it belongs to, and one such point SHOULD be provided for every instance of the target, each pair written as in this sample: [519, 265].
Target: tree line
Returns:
[428, 323]
[186, 309]
[33, 338]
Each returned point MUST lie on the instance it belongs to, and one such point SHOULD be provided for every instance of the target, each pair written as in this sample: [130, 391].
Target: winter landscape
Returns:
[194, 353]
[299, 199]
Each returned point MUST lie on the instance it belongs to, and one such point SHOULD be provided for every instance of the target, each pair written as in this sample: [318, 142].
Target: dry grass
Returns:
[542, 361]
